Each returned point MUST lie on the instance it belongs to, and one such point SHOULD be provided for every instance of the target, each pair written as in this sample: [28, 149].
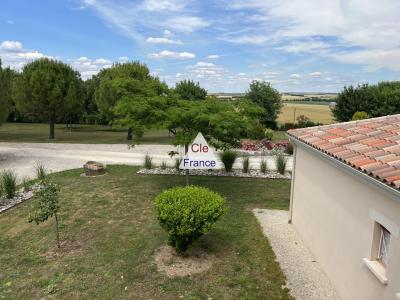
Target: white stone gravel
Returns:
[22, 157]
[305, 278]
[220, 173]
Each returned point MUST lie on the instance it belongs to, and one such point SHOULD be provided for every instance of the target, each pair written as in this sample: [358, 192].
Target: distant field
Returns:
[316, 112]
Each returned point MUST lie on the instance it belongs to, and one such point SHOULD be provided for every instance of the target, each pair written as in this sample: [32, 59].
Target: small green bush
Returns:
[8, 181]
[281, 164]
[148, 162]
[228, 158]
[41, 172]
[263, 166]
[26, 184]
[268, 134]
[178, 163]
[186, 213]
[246, 164]
[289, 149]
[360, 115]
[163, 165]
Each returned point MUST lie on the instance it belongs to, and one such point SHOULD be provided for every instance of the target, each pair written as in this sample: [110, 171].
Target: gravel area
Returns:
[305, 278]
[22, 157]
[220, 173]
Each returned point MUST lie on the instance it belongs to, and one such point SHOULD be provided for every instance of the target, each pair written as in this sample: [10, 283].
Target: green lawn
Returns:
[110, 234]
[84, 134]
[81, 134]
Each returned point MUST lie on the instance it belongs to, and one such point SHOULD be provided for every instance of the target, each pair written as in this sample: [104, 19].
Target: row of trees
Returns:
[128, 96]
[372, 100]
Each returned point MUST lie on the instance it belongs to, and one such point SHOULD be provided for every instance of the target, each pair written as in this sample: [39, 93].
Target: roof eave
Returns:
[391, 191]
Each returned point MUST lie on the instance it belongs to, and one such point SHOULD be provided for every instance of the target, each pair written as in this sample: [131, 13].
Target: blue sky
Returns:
[298, 46]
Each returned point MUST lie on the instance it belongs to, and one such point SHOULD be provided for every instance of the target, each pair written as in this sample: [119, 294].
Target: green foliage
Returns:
[189, 90]
[304, 121]
[186, 213]
[263, 166]
[228, 158]
[128, 96]
[264, 95]
[359, 115]
[41, 172]
[48, 90]
[281, 164]
[148, 162]
[6, 79]
[289, 149]
[376, 100]
[222, 124]
[269, 134]
[26, 184]
[8, 182]
[163, 165]
[178, 161]
[46, 205]
[246, 164]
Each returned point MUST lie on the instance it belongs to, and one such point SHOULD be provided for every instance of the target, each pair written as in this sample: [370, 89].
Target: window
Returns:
[384, 242]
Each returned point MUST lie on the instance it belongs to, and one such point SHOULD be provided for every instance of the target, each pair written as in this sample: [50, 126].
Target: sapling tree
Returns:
[46, 205]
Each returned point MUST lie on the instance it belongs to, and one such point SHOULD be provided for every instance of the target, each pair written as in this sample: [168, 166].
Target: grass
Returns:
[110, 233]
[80, 134]
[316, 112]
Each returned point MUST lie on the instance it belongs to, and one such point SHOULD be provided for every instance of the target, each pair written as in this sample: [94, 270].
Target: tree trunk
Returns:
[57, 232]
[52, 123]
[129, 136]
[187, 170]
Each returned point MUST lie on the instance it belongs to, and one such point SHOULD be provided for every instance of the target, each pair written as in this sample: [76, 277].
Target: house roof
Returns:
[371, 146]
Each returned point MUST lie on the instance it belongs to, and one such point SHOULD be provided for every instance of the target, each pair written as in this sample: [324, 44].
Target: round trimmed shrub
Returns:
[186, 213]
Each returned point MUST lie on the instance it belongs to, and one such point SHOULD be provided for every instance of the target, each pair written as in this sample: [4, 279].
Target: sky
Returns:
[296, 45]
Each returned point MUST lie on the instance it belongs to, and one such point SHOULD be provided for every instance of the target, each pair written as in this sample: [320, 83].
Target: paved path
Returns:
[22, 157]
[305, 278]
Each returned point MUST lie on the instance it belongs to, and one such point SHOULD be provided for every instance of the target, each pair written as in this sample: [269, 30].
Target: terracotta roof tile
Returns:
[372, 146]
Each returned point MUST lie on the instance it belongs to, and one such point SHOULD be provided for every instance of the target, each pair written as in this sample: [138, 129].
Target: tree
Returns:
[143, 109]
[46, 206]
[376, 100]
[189, 90]
[45, 90]
[264, 95]
[224, 124]
[117, 82]
[91, 113]
[351, 100]
[6, 79]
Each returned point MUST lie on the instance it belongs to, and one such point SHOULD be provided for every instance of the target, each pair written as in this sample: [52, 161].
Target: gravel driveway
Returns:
[305, 278]
[22, 157]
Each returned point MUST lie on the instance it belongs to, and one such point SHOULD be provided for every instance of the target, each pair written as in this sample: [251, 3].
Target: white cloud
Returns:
[186, 24]
[123, 59]
[172, 54]
[295, 76]
[11, 22]
[89, 67]
[162, 40]
[11, 46]
[315, 74]
[212, 57]
[166, 39]
[160, 5]
[13, 54]
[348, 31]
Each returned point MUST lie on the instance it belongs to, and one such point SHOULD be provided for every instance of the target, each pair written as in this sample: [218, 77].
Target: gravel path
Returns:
[305, 278]
[22, 157]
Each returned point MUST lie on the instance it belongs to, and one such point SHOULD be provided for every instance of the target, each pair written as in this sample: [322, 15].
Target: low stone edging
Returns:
[219, 173]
